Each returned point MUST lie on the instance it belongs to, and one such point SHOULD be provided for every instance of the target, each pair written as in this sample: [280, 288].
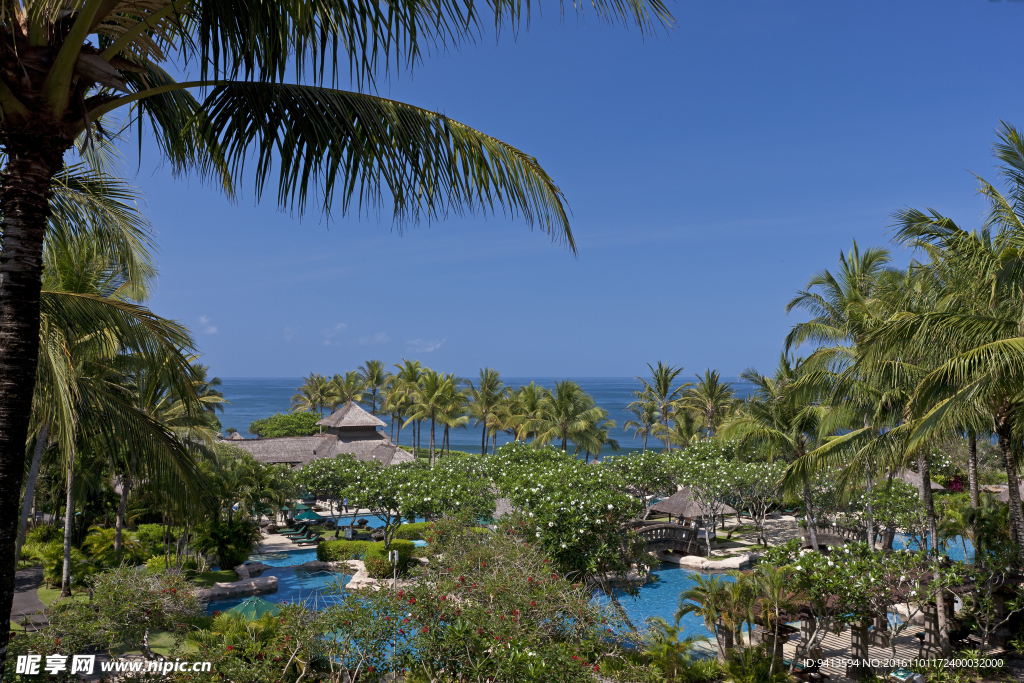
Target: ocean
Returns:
[253, 398]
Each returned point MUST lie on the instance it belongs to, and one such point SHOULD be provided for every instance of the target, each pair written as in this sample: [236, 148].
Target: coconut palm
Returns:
[647, 417]
[659, 391]
[782, 417]
[483, 397]
[453, 415]
[345, 388]
[711, 400]
[566, 414]
[409, 375]
[315, 394]
[430, 400]
[595, 437]
[707, 599]
[524, 407]
[375, 377]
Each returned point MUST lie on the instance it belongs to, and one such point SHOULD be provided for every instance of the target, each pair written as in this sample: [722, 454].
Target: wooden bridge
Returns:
[660, 536]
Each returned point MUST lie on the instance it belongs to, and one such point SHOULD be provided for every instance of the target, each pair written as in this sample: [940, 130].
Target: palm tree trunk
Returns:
[30, 487]
[483, 437]
[32, 161]
[1004, 428]
[69, 516]
[398, 440]
[972, 468]
[494, 442]
[933, 541]
[431, 440]
[122, 505]
[812, 532]
[646, 433]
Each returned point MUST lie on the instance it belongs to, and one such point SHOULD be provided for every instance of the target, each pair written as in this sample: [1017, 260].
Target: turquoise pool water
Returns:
[954, 548]
[293, 585]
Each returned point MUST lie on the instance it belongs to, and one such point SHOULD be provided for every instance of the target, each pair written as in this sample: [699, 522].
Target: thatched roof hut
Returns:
[1004, 495]
[350, 429]
[914, 479]
[683, 505]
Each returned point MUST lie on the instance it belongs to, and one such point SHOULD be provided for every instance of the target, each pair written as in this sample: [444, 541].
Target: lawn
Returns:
[207, 579]
[48, 595]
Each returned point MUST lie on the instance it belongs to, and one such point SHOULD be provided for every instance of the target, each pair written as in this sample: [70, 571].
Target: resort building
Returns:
[349, 429]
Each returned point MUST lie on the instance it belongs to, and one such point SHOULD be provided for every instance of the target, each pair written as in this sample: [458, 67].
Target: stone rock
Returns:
[235, 589]
[709, 565]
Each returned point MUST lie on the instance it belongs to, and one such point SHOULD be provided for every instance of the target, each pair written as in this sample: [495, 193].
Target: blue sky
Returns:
[709, 172]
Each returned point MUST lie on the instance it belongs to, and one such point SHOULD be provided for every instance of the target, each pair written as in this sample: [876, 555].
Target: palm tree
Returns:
[595, 436]
[711, 400]
[349, 387]
[371, 149]
[647, 417]
[566, 414]
[431, 400]
[315, 394]
[375, 378]
[772, 584]
[524, 407]
[483, 397]
[453, 414]
[659, 392]
[706, 598]
[409, 375]
[782, 418]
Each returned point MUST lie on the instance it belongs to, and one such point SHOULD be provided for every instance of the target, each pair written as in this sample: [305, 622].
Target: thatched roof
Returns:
[914, 479]
[298, 451]
[351, 415]
[682, 504]
[1004, 495]
[502, 507]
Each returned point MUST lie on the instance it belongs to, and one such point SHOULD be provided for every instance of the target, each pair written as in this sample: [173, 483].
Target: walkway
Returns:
[26, 598]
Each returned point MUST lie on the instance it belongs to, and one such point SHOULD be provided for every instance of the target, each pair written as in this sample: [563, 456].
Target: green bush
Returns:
[44, 534]
[377, 564]
[158, 563]
[334, 551]
[151, 536]
[412, 532]
[286, 424]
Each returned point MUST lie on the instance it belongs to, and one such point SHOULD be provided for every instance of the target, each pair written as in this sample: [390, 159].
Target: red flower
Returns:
[425, 630]
[231, 647]
[442, 597]
[532, 603]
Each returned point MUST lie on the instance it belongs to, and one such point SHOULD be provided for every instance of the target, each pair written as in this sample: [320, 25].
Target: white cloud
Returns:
[290, 333]
[332, 332]
[204, 320]
[379, 338]
[424, 345]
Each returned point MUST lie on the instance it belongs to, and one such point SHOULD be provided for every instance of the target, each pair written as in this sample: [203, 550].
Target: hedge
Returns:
[377, 564]
[333, 551]
[412, 532]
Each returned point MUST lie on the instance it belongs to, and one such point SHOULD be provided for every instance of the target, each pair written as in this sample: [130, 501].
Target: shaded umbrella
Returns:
[682, 504]
[254, 608]
[307, 515]
[300, 506]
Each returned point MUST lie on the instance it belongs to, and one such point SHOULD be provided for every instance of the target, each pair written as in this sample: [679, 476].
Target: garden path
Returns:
[26, 597]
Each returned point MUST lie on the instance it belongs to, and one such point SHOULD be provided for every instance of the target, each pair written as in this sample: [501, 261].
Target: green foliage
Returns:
[52, 557]
[754, 665]
[286, 424]
[334, 551]
[230, 542]
[99, 544]
[573, 511]
[159, 563]
[44, 534]
[412, 532]
[672, 654]
[647, 473]
[379, 566]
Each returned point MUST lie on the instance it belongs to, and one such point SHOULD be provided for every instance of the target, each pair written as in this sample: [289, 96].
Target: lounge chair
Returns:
[306, 535]
[297, 531]
[309, 541]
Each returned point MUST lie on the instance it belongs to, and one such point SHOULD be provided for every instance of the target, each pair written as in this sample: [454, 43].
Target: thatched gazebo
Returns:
[914, 479]
[682, 505]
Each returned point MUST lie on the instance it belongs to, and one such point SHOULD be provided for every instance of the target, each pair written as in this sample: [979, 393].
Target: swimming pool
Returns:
[294, 585]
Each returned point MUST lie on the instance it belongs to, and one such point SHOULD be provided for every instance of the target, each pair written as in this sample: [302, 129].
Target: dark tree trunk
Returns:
[1004, 428]
[483, 437]
[122, 505]
[32, 161]
[933, 541]
[431, 441]
[69, 518]
[972, 468]
[28, 505]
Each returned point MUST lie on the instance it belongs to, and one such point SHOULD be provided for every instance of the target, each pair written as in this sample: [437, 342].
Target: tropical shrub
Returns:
[52, 557]
[99, 545]
[230, 542]
[334, 551]
[159, 563]
[379, 566]
[412, 532]
[286, 424]
[44, 534]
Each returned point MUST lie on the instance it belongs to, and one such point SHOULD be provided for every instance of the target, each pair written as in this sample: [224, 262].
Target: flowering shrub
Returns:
[379, 566]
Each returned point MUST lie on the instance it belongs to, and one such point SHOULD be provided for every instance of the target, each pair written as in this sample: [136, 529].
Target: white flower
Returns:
[551, 523]
[538, 534]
